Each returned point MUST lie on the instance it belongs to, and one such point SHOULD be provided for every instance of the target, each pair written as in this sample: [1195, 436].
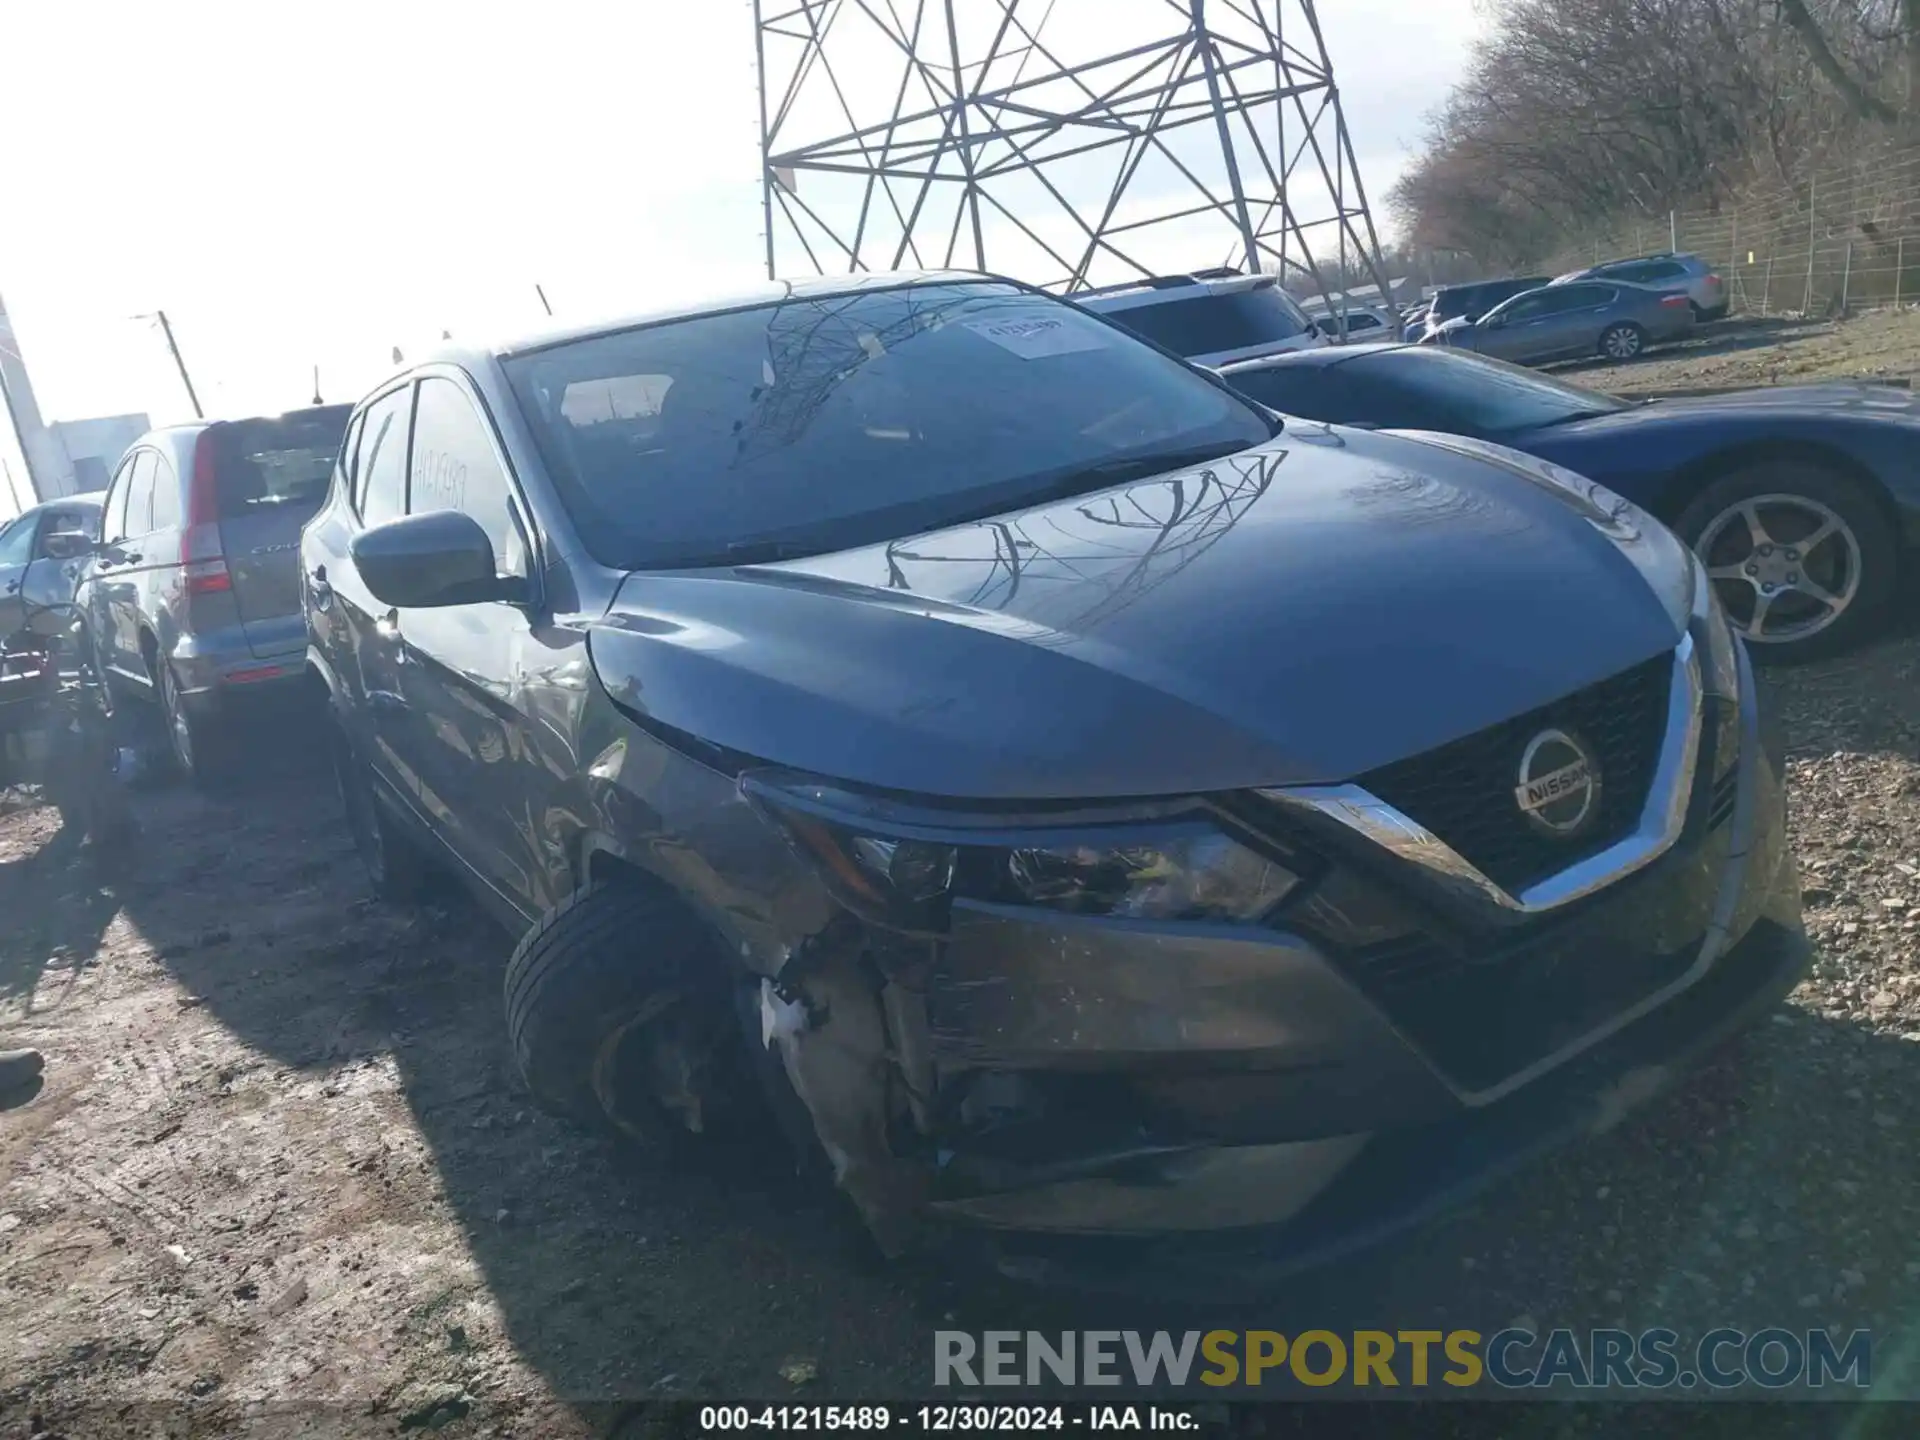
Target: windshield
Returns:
[845, 420]
[1209, 324]
[1479, 299]
[1478, 394]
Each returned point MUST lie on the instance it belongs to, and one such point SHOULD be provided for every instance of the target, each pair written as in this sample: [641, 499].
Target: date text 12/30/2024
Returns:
[942, 1419]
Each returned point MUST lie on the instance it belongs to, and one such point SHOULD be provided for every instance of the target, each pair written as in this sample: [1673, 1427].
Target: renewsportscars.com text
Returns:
[1512, 1359]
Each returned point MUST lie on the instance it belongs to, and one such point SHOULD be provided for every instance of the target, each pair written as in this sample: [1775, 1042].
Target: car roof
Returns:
[182, 428]
[1164, 289]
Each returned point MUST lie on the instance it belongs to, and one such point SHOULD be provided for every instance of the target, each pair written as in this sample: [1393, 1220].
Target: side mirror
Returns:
[424, 561]
[67, 545]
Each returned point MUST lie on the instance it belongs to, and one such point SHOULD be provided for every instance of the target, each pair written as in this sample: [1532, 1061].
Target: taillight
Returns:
[1675, 300]
[203, 560]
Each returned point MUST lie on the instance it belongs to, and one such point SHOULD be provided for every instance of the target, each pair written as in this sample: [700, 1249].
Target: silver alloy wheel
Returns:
[179, 731]
[1786, 566]
[1622, 342]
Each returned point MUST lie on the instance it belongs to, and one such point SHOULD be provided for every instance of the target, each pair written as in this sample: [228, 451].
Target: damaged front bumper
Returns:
[1117, 1101]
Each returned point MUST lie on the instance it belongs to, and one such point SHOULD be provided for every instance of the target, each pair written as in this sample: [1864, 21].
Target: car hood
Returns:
[1301, 612]
[1773, 405]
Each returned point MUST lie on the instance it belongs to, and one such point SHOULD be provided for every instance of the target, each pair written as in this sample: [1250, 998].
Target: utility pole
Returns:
[179, 364]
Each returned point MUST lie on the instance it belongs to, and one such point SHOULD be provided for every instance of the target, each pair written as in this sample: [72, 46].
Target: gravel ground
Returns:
[1883, 345]
[280, 1161]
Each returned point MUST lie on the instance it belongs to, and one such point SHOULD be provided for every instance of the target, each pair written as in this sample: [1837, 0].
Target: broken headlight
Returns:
[904, 866]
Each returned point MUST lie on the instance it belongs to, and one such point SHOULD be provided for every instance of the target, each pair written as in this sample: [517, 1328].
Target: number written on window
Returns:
[455, 467]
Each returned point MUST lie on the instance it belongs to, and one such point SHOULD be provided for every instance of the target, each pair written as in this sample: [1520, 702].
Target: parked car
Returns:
[1670, 274]
[1093, 808]
[1470, 302]
[29, 573]
[1212, 318]
[1563, 322]
[1356, 322]
[1804, 500]
[194, 593]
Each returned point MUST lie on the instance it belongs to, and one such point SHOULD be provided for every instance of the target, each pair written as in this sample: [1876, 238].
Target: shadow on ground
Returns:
[1755, 1196]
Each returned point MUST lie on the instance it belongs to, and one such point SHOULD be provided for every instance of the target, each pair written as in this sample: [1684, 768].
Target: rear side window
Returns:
[380, 470]
[1205, 324]
[283, 463]
[113, 523]
[140, 495]
[166, 494]
[1579, 297]
[455, 468]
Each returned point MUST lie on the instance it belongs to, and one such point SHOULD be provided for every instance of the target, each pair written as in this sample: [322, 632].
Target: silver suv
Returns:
[1214, 317]
[1687, 275]
[193, 594]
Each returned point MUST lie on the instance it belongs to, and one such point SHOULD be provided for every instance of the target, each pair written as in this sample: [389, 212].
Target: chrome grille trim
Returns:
[1661, 819]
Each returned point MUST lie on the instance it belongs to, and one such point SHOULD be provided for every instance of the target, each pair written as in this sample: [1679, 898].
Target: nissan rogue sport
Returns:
[1115, 826]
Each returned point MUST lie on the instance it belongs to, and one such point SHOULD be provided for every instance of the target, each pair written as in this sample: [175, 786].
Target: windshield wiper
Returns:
[1073, 482]
[1573, 415]
[1134, 467]
[746, 552]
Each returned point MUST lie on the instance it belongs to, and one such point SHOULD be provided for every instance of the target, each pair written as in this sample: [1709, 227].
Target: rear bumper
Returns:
[211, 680]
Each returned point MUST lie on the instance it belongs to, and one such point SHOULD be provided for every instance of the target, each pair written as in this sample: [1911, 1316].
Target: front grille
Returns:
[1484, 1018]
[1463, 792]
[1726, 793]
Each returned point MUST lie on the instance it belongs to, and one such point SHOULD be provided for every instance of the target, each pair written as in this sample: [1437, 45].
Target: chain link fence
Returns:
[1845, 239]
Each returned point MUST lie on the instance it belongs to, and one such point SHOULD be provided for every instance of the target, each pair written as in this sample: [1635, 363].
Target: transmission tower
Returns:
[1067, 142]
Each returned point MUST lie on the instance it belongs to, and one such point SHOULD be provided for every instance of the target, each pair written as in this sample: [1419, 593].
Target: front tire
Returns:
[619, 1015]
[1624, 341]
[1802, 557]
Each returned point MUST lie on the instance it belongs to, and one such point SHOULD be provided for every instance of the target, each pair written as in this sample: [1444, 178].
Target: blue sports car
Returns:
[1803, 500]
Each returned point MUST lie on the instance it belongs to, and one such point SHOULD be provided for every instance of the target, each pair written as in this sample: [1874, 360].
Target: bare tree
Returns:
[1574, 114]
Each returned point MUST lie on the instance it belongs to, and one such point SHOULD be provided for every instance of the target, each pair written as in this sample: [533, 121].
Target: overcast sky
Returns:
[314, 184]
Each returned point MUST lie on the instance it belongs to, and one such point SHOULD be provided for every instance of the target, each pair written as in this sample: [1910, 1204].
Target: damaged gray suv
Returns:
[1098, 819]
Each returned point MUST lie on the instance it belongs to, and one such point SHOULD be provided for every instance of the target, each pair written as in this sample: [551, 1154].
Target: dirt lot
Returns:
[280, 1172]
[279, 1159]
[1884, 345]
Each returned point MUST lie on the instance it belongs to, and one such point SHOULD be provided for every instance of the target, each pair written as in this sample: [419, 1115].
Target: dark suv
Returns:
[1093, 809]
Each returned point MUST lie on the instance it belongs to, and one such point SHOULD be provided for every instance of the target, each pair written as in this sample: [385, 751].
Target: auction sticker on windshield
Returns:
[1034, 337]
